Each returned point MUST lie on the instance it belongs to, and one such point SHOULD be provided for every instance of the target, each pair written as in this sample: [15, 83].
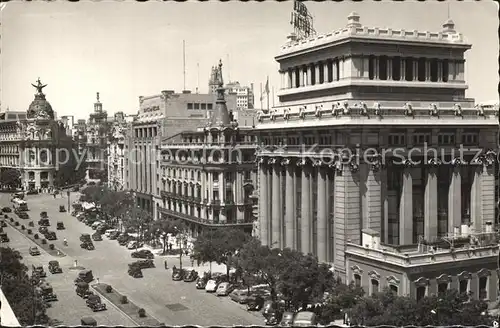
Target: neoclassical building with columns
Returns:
[376, 162]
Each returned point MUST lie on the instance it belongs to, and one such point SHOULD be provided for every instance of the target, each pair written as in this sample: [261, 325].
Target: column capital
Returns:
[285, 162]
[272, 161]
[457, 162]
[434, 162]
[301, 162]
[375, 162]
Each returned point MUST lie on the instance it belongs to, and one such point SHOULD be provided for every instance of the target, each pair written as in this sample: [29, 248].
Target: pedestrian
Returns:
[54, 195]
[198, 262]
[166, 265]
[170, 246]
[192, 261]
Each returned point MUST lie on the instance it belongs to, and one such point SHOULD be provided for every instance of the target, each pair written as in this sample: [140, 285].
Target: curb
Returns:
[115, 306]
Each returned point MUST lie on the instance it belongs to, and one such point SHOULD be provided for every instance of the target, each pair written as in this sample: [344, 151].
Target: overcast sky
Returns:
[127, 49]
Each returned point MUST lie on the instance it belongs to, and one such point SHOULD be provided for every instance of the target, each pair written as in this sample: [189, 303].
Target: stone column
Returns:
[389, 68]
[385, 205]
[451, 70]
[325, 71]
[476, 199]
[415, 69]
[263, 203]
[342, 72]
[289, 77]
[430, 205]
[294, 73]
[455, 200]
[306, 218]
[222, 188]
[301, 76]
[317, 73]
[427, 70]
[290, 207]
[406, 208]
[366, 67]
[440, 70]
[309, 74]
[374, 198]
[335, 65]
[403, 69]
[276, 208]
[322, 215]
[376, 68]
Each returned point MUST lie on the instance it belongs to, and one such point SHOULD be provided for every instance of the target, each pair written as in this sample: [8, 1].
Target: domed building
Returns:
[40, 147]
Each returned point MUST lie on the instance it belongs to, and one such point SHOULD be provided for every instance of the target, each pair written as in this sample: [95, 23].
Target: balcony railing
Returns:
[206, 222]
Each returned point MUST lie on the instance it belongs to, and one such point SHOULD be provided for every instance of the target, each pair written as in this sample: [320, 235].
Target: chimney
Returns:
[353, 20]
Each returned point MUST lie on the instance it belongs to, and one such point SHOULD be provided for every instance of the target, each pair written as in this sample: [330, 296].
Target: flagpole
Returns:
[261, 98]
[273, 95]
[267, 91]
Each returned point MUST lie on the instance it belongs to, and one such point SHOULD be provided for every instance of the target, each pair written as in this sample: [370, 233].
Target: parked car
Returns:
[178, 274]
[6, 209]
[39, 270]
[134, 271]
[87, 245]
[62, 208]
[133, 244]
[43, 230]
[287, 319]
[305, 319]
[44, 222]
[201, 282]
[95, 304]
[32, 192]
[96, 224]
[211, 286]
[191, 276]
[3, 224]
[84, 237]
[3, 237]
[114, 235]
[46, 291]
[84, 276]
[144, 264]
[50, 235]
[96, 237]
[23, 215]
[54, 267]
[34, 251]
[240, 296]
[43, 215]
[88, 321]
[143, 254]
[224, 289]
[82, 290]
[60, 225]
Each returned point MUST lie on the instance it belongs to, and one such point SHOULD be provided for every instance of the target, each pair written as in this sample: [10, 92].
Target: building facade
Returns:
[97, 131]
[116, 151]
[32, 143]
[373, 133]
[208, 174]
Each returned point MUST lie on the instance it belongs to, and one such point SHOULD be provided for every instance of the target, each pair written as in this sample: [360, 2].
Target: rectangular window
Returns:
[445, 70]
[434, 70]
[196, 106]
[421, 292]
[203, 106]
[357, 280]
[464, 286]
[483, 288]
[190, 106]
[375, 286]
[209, 106]
[442, 288]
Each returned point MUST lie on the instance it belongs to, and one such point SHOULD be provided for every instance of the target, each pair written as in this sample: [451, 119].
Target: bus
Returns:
[20, 204]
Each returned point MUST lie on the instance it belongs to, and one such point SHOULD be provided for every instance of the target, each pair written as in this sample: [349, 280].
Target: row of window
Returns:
[392, 69]
[146, 132]
[202, 106]
[14, 149]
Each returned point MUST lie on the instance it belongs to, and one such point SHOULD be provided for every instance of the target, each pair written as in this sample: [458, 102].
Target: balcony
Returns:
[205, 222]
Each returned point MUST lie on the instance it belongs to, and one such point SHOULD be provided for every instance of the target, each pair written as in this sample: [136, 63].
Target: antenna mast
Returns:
[184, 61]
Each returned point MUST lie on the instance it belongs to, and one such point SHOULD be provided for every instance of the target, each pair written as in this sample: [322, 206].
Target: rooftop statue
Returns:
[39, 86]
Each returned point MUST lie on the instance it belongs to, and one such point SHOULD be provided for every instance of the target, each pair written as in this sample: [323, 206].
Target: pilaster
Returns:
[455, 199]
[322, 215]
[430, 205]
[335, 66]
[290, 207]
[309, 74]
[406, 208]
[317, 73]
[301, 76]
[276, 207]
[488, 194]
[476, 199]
[306, 217]
[325, 71]
[263, 204]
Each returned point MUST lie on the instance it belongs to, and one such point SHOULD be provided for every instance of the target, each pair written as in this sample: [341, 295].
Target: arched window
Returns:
[421, 291]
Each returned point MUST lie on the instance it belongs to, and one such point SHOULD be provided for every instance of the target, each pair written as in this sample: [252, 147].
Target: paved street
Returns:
[156, 292]
[69, 308]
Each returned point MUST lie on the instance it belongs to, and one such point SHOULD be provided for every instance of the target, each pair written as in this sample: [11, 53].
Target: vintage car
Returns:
[85, 237]
[143, 254]
[114, 235]
[46, 291]
[50, 235]
[44, 222]
[34, 251]
[6, 209]
[4, 238]
[3, 224]
[95, 304]
[224, 289]
[39, 271]
[124, 239]
[43, 215]
[54, 267]
[191, 276]
[43, 230]
[32, 192]
[62, 208]
[88, 245]
[88, 321]
[178, 274]
[144, 264]
[96, 237]
[23, 215]
[60, 225]
[84, 276]
[304, 319]
[82, 290]
[134, 271]
[201, 282]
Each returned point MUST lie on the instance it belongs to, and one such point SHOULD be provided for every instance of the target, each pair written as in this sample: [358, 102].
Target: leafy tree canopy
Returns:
[10, 177]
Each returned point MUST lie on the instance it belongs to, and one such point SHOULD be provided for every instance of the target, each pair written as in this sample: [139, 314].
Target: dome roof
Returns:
[40, 107]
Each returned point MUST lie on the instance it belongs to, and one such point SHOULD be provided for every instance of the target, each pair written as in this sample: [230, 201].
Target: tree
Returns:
[115, 204]
[10, 178]
[72, 170]
[162, 228]
[341, 297]
[139, 220]
[28, 307]
[219, 245]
